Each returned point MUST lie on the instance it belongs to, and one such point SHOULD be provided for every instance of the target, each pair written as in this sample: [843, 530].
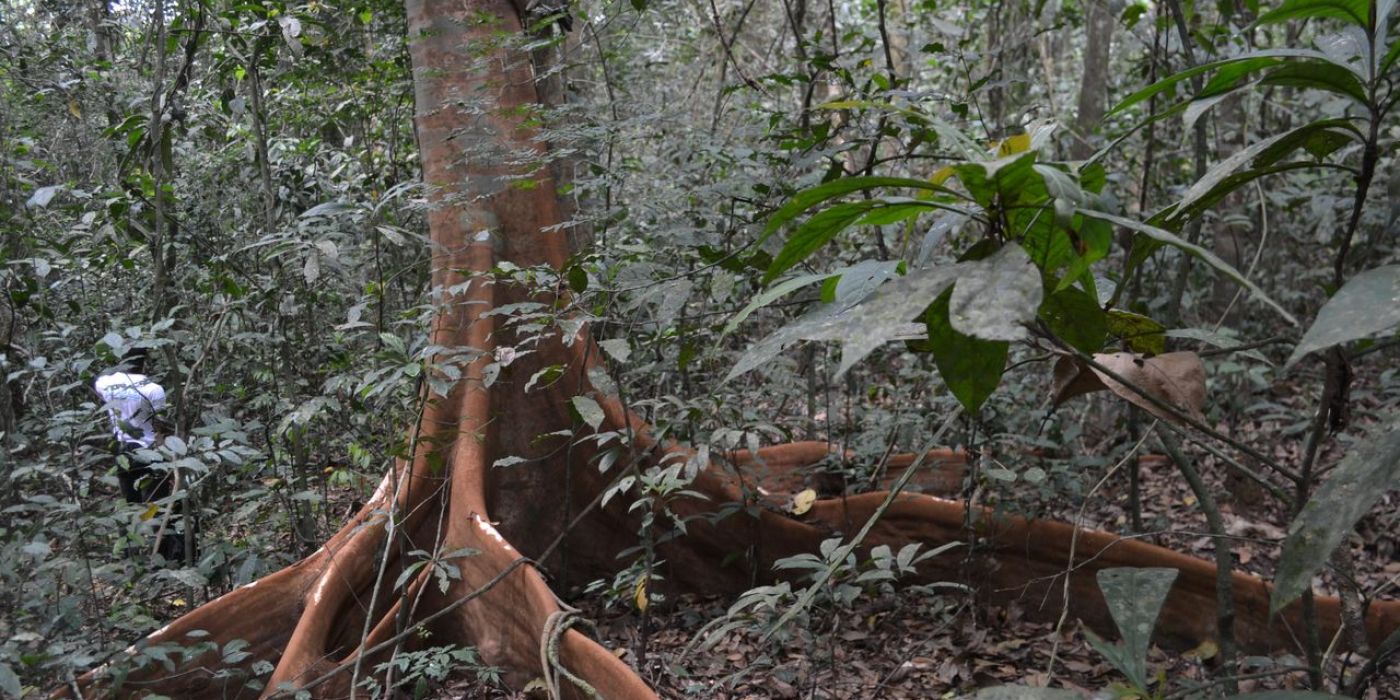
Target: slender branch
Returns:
[1224, 563]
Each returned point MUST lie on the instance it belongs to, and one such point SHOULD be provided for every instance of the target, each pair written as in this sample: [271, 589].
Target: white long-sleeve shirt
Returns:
[132, 401]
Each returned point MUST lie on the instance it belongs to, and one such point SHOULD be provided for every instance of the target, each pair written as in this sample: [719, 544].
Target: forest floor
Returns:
[917, 643]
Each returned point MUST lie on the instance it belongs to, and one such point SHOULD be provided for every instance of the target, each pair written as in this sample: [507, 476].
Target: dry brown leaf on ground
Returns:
[1176, 378]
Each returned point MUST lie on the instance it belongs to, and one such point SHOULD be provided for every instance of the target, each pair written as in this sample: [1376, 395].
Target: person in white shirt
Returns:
[132, 400]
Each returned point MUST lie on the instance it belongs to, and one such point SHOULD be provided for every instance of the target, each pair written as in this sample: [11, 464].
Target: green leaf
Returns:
[1239, 66]
[971, 367]
[1353, 11]
[588, 410]
[860, 328]
[9, 682]
[1135, 598]
[1208, 257]
[997, 297]
[1140, 333]
[810, 197]
[773, 294]
[894, 210]
[1370, 470]
[1365, 306]
[1076, 318]
[1390, 58]
[1318, 75]
[1009, 177]
[1095, 239]
[1178, 213]
[1260, 154]
[814, 233]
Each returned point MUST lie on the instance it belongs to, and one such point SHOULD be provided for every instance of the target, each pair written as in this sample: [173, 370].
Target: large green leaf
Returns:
[771, 295]
[1370, 470]
[1210, 258]
[1317, 75]
[971, 367]
[1008, 177]
[886, 315]
[812, 196]
[997, 297]
[1178, 213]
[1135, 598]
[1261, 154]
[1076, 318]
[1353, 11]
[814, 233]
[1238, 67]
[1366, 305]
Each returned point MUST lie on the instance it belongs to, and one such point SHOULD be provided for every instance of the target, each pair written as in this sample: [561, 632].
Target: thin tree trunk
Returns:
[1093, 88]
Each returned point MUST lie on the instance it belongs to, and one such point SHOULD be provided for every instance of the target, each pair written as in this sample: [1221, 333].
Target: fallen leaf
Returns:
[1176, 378]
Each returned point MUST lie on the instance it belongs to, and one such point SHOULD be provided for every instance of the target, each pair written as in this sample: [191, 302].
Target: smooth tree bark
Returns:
[492, 532]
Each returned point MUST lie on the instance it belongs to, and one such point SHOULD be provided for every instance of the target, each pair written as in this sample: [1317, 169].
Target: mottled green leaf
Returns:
[589, 411]
[996, 297]
[1140, 333]
[1365, 306]
[1369, 470]
[1135, 598]
[884, 316]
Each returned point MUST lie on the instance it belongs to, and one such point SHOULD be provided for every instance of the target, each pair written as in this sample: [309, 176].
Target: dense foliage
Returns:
[235, 187]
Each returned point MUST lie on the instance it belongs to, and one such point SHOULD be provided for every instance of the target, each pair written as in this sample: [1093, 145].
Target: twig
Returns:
[1074, 543]
[1224, 564]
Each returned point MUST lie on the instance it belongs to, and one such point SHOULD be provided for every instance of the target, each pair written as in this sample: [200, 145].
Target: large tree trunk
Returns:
[336, 614]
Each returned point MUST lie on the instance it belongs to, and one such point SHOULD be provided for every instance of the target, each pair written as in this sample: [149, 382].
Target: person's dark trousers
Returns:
[142, 484]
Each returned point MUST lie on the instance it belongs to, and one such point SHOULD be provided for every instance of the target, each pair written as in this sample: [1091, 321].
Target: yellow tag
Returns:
[639, 596]
[802, 502]
[178, 602]
[151, 511]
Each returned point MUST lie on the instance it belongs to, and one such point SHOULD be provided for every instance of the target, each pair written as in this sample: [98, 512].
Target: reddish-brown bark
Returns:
[493, 203]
